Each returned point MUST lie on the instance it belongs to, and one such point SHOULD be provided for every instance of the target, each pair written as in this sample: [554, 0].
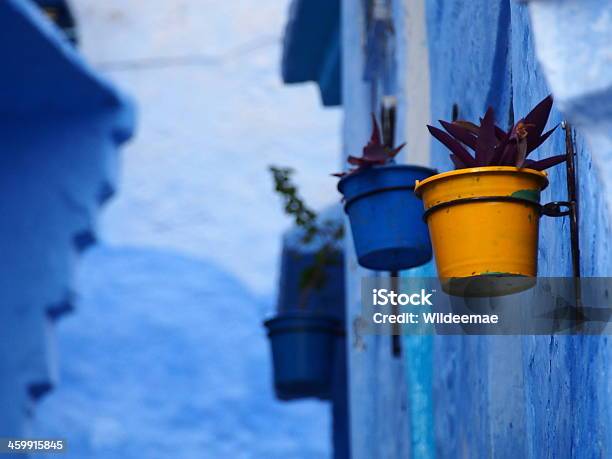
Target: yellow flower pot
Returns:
[484, 221]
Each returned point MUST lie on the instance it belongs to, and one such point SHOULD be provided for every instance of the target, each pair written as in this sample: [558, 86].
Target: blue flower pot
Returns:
[386, 217]
[303, 354]
[328, 300]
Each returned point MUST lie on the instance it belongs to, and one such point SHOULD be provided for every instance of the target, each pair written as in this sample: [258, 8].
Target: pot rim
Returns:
[413, 167]
[332, 326]
[420, 184]
[305, 316]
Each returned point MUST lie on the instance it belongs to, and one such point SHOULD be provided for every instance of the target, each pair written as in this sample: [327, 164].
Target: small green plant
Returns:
[327, 232]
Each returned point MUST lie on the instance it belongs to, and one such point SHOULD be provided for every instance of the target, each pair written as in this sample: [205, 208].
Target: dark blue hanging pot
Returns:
[303, 354]
[307, 334]
[386, 217]
[327, 300]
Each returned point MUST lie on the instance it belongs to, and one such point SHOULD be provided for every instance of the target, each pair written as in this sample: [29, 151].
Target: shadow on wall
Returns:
[168, 358]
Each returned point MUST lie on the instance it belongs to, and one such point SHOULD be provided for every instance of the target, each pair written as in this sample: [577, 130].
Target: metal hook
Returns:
[557, 208]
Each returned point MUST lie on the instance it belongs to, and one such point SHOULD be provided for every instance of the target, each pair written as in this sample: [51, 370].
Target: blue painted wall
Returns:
[380, 408]
[60, 129]
[311, 47]
[508, 396]
[543, 396]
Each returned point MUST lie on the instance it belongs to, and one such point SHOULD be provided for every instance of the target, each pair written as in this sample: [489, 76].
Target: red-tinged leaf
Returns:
[487, 140]
[365, 162]
[461, 133]
[508, 157]
[375, 153]
[500, 133]
[453, 145]
[457, 162]
[355, 161]
[473, 128]
[545, 163]
[533, 144]
[528, 163]
[538, 116]
[375, 137]
[345, 173]
[521, 152]
[499, 149]
[393, 153]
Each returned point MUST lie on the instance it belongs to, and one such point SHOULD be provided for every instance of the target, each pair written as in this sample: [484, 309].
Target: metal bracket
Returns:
[388, 119]
[359, 324]
[572, 196]
[557, 209]
[396, 342]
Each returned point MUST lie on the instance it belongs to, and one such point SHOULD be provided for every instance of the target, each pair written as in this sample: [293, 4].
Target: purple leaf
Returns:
[500, 133]
[461, 133]
[545, 163]
[375, 137]
[473, 128]
[393, 153]
[532, 143]
[500, 148]
[457, 162]
[521, 152]
[538, 117]
[508, 157]
[375, 153]
[355, 161]
[493, 146]
[487, 140]
[453, 145]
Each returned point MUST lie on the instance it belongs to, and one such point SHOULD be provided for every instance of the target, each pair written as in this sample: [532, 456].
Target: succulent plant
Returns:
[375, 153]
[493, 146]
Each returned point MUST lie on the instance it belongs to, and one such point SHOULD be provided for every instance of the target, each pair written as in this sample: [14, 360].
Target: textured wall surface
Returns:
[380, 421]
[537, 395]
[196, 219]
[542, 396]
[60, 131]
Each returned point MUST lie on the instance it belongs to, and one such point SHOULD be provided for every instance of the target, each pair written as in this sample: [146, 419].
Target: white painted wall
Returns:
[213, 114]
[166, 355]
